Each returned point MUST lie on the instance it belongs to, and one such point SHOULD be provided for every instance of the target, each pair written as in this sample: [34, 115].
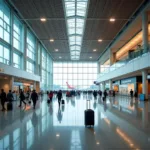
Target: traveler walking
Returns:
[10, 96]
[34, 98]
[59, 96]
[105, 95]
[22, 98]
[3, 99]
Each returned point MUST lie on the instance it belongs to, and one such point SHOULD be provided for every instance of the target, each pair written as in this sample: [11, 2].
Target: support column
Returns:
[110, 85]
[103, 86]
[112, 57]
[145, 83]
[36, 60]
[11, 83]
[34, 85]
[145, 31]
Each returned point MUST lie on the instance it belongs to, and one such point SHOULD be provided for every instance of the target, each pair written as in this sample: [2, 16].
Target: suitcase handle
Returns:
[88, 104]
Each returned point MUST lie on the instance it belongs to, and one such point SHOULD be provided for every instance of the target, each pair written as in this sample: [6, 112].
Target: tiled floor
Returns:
[120, 124]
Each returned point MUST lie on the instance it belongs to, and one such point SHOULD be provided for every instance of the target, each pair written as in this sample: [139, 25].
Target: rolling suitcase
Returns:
[9, 106]
[63, 102]
[48, 101]
[88, 115]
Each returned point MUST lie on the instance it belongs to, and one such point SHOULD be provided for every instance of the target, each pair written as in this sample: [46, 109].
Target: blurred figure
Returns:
[136, 95]
[131, 93]
[100, 93]
[10, 96]
[3, 99]
[95, 94]
[114, 94]
[34, 98]
[105, 95]
[59, 96]
[22, 98]
[51, 96]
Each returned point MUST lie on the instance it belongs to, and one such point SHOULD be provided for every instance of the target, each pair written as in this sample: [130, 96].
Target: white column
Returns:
[145, 30]
[145, 83]
[110, 85]
[11, 83]
[103, 86]
[34, 85]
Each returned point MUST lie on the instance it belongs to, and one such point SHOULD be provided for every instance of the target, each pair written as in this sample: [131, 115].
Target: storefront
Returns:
[134, 83]
[116, 85]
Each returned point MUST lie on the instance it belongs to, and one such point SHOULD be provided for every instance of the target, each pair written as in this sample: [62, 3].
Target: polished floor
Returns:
[120, 124]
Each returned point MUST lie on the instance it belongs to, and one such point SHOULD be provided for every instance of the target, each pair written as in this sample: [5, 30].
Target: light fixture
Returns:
[97, 143]
[60, 57]
[90, 57]
[56, 50]
[100, 40]
[112, 19]
[94, 50]
[57, 135]
[51, 40]
[43, 19]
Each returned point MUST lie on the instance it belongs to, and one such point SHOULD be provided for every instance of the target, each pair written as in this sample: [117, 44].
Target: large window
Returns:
[30, 67]
[17, 34]
[16, 60]
[4, 22]
[30, 46]
[4, 54]
[79, 75]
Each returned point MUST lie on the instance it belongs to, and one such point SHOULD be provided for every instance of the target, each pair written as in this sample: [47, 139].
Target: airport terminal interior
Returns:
[74, 74]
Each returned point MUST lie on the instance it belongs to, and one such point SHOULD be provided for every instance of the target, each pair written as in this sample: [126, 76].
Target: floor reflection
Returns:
[120, 123]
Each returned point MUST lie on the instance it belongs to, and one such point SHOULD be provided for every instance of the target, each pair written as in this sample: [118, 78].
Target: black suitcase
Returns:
[48, 101]
[89, 116]
[9, 106]
[63, 102]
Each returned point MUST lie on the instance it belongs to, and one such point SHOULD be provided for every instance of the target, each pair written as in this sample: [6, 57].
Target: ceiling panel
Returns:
[97, 24]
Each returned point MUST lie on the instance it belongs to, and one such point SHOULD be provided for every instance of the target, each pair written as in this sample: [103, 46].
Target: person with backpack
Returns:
[22, 98]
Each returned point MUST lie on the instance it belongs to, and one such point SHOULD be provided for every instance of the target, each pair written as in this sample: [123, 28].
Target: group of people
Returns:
[9, 98]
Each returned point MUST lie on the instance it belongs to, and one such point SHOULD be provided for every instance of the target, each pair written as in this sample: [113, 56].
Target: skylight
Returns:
[75, 17]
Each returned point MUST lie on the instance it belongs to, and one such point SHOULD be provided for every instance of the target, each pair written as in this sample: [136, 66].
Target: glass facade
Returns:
[21, 49]
[79, 75]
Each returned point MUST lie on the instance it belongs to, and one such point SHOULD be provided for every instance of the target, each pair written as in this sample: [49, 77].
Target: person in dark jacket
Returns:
[59, 96]
[51, 96]
[3, 99]
[10, 96]
[114, 94]
[105, 95]
[95, 94]
[131, 93]
[136, 95]
[22, 98]
[34, 98]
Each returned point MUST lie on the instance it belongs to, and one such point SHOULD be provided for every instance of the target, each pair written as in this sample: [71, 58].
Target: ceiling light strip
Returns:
[76, 11]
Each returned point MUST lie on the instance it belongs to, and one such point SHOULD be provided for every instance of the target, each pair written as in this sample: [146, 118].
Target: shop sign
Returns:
[116, 82]
[17, 83]
[130, 80]
[1, 70]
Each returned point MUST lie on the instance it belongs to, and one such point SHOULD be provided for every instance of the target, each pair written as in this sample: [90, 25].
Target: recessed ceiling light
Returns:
[60, 57]
[57, 135]
[51, 40]
[97, 143]
[100, 40]
[112, 19]
[94, 50]
[56, 50]
[43, 19]
[90, 57]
